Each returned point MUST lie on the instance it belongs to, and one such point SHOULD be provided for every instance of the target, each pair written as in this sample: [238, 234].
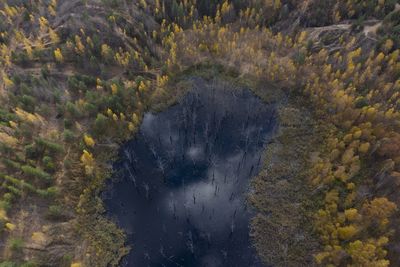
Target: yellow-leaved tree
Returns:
[87, 160]
[58, 55]
[89, 141]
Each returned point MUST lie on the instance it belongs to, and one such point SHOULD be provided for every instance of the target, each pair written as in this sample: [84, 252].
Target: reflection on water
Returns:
[181, 198]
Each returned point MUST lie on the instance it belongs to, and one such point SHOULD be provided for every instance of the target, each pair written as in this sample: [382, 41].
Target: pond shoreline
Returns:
[145, 189]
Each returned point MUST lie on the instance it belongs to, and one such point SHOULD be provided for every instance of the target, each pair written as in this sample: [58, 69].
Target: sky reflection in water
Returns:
[181, 198]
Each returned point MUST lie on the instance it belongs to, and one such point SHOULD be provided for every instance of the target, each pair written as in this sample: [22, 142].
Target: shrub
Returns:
[28, 264]
[67, 259]
[81, 82]
[50, 146]
[36, 172]
[361, 102]
[90, 109]
[11, 164]
[5, 116]
[48, 164]
[72, 110]
[28, 103]
[14, 190]
[5, 205]
[100, 124]
[45, 72]
[15, 244]
[55, 212]
[8, 264]
[76, 85]
[31, 151]
[68, 123]
[49, 192]
[69, 136]
[19, 183]
[8, 197]
[20, 58]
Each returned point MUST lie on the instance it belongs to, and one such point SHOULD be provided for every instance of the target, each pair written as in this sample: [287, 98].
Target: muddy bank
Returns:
[282, 228]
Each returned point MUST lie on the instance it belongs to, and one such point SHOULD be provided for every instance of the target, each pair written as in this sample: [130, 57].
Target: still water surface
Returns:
[183, 180]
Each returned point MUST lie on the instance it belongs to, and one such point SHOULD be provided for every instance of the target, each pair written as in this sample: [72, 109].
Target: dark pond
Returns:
[181, 196]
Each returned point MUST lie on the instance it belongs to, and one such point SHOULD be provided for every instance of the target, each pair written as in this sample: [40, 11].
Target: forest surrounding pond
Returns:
[104, 150]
